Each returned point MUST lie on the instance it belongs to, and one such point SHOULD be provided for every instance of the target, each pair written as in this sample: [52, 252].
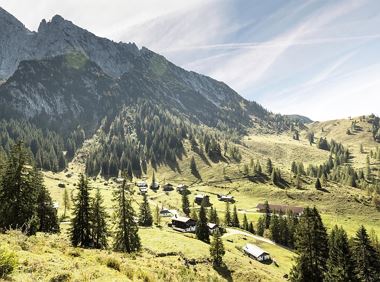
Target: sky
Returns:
[318, 58]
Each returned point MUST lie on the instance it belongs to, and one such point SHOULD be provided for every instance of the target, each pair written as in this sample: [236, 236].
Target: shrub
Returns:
[63, 277]
[8, 262]
[113, 263]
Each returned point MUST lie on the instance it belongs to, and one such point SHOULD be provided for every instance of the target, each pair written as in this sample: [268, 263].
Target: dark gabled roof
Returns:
[281, 208]
[182, 219]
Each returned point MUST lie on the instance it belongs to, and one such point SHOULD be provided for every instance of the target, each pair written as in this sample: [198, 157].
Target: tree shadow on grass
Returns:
[224, 272]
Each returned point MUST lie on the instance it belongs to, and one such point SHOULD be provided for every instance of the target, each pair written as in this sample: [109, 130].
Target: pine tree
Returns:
[185, 203]
[267, 214]
[227, 216]
[275, 229]
[217, 249]
[193, 168]
[19, 190]
[99, 218]
[214, 218]
[269, 167]
[235, 218]
[251, 228]
[318, 184]
[157, 216]
[145, 216]
[366, 258]
[66, 202]
[340, 265]
[260, 228]
[312, 247]
[126, 234]
[80, 232]
[245, 223]
[201, 229]
[47, 214]
[194, 214]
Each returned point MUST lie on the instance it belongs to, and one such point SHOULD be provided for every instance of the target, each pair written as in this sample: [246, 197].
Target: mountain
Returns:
[67, 80]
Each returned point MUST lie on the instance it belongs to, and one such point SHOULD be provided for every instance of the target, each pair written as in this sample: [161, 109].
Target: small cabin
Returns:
[199, 199]
[183, 224]
[212, 227]
[166, 213]
[168, 187]
[143, 190]
[256, 253]
[142, 184]
[181, 188]
[225, 198]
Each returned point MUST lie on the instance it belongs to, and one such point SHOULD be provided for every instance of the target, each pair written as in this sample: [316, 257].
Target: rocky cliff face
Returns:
[43, 77]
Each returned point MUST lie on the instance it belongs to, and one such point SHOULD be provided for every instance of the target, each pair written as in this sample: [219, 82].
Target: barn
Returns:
[183, 224]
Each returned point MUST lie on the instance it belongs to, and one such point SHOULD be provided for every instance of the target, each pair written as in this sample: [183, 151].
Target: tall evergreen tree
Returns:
[185, 203]
[227, 216]
[312, 247]
[268, 214]
[201, 229]
[275, 229]
[217, 249]
[318, 184]
[145, 216]
[269, 166]
[245, 222]
[235, 218]
[126, 234]
[19, 190]
[366, 258]
[80, 232]
[260, 228]
[99, 218]
[47, 214]
[340, 264]
[66, 202]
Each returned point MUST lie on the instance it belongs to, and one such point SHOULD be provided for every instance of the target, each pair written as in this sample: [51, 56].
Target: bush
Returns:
[113, 263]
[8, 262]
[63, 277]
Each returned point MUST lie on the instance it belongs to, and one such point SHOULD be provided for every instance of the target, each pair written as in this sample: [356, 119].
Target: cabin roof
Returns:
[181, 219]
[254, 250]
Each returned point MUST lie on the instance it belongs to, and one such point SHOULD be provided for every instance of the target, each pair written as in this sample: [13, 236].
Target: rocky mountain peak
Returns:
[9, 22]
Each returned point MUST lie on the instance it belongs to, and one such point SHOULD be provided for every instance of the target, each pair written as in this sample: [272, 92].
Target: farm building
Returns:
[199, 198]
[280, 209]
[183, 224]
[166, 213]
[142, 184]
[256, 253]
[224, 198]
[181, 188]
[212, 227]
[168, 187]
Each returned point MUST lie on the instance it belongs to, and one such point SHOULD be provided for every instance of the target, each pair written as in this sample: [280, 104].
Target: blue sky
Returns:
[316, 58]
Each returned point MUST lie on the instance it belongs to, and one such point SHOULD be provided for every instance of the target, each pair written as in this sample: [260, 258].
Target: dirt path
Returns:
[231, 232]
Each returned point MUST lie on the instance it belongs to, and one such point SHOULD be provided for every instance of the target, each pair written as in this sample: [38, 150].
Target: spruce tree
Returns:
[66, 202]
[245, 222]
[340, 264]
[318, 184]
[260, 228]
[47, 214]
[217, 249]
[214, 218]
[227, 216]
[269, 167]
[99, 218]
[145, 216]
[194, 214]
[367, 260]
[126, 234]
[251, 228]
[312, 247]
[267, 214]
[185, 203]
[157, 216]
[275, 229]
[80, 232]
[235, 218]
[201, 229]
[19, 190]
